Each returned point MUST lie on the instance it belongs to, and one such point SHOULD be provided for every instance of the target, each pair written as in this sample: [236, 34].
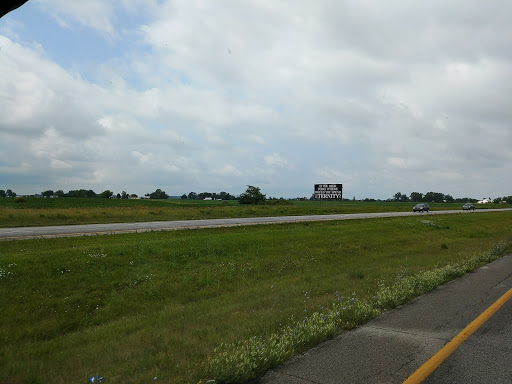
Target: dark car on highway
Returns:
[468, 207]
[423, 207]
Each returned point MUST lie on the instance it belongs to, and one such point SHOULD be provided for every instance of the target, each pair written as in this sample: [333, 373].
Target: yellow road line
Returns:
[435, 361]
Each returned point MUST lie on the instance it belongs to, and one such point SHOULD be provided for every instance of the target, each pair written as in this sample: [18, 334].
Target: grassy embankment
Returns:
[139, 306]
[63, 211]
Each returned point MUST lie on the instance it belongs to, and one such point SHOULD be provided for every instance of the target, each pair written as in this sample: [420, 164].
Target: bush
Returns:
[20, 200]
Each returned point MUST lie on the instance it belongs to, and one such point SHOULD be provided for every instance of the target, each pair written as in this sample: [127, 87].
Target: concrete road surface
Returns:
[391, 347]
[97, 229]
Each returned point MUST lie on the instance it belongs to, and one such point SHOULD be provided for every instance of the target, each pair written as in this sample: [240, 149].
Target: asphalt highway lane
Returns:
[485, 357]
[20, 233]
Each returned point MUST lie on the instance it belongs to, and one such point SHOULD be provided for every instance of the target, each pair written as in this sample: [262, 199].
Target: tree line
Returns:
[437, 197]
[83, 193]
[7, 193]
[203, 195]
[157, 194]
[252, 195]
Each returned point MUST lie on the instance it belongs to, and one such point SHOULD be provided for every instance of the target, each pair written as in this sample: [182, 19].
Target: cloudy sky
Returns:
[196, 95]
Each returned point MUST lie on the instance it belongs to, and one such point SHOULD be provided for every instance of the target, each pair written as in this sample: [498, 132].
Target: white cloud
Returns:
[172, 168]
[59, 164]
[380, 97]
[226, 170]
[275, 160]
[142, 158]
[38, 94]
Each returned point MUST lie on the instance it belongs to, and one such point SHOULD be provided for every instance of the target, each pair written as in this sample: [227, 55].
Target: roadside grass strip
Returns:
[242, 361]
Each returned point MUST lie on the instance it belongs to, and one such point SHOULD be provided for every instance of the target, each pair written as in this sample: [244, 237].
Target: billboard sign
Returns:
[328, 191]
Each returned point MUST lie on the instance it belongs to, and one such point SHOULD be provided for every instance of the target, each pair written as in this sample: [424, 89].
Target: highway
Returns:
[20, 233]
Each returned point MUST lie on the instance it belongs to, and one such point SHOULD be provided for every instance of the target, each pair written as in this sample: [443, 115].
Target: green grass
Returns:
[189, 305]
[66, 211]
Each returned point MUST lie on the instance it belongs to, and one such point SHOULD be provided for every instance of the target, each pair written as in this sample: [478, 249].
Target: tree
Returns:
[81, 193]
[192, 195]
[203, 195]
[106, 194]
[158, 194]
[60, 193]
[184, 196]
[225, 196]
[435, 197]
[2, 193]
[416, 196]
[400, 197]
[90, 193]
[252, 195]
[10, 193]
[124, 195]
[48, 193]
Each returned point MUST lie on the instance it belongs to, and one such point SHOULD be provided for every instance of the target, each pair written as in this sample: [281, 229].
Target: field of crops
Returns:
[224, 304]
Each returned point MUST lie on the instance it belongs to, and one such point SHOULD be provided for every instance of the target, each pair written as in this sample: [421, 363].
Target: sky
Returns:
[210, 96]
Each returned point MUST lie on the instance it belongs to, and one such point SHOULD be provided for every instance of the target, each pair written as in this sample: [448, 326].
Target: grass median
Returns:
[185, 306]
[69, 211]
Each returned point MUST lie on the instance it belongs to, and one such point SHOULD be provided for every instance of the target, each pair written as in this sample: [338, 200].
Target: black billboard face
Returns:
[328, 191]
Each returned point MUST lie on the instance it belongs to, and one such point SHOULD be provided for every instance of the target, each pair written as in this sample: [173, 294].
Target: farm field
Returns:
[189, 306]
[68, 211]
